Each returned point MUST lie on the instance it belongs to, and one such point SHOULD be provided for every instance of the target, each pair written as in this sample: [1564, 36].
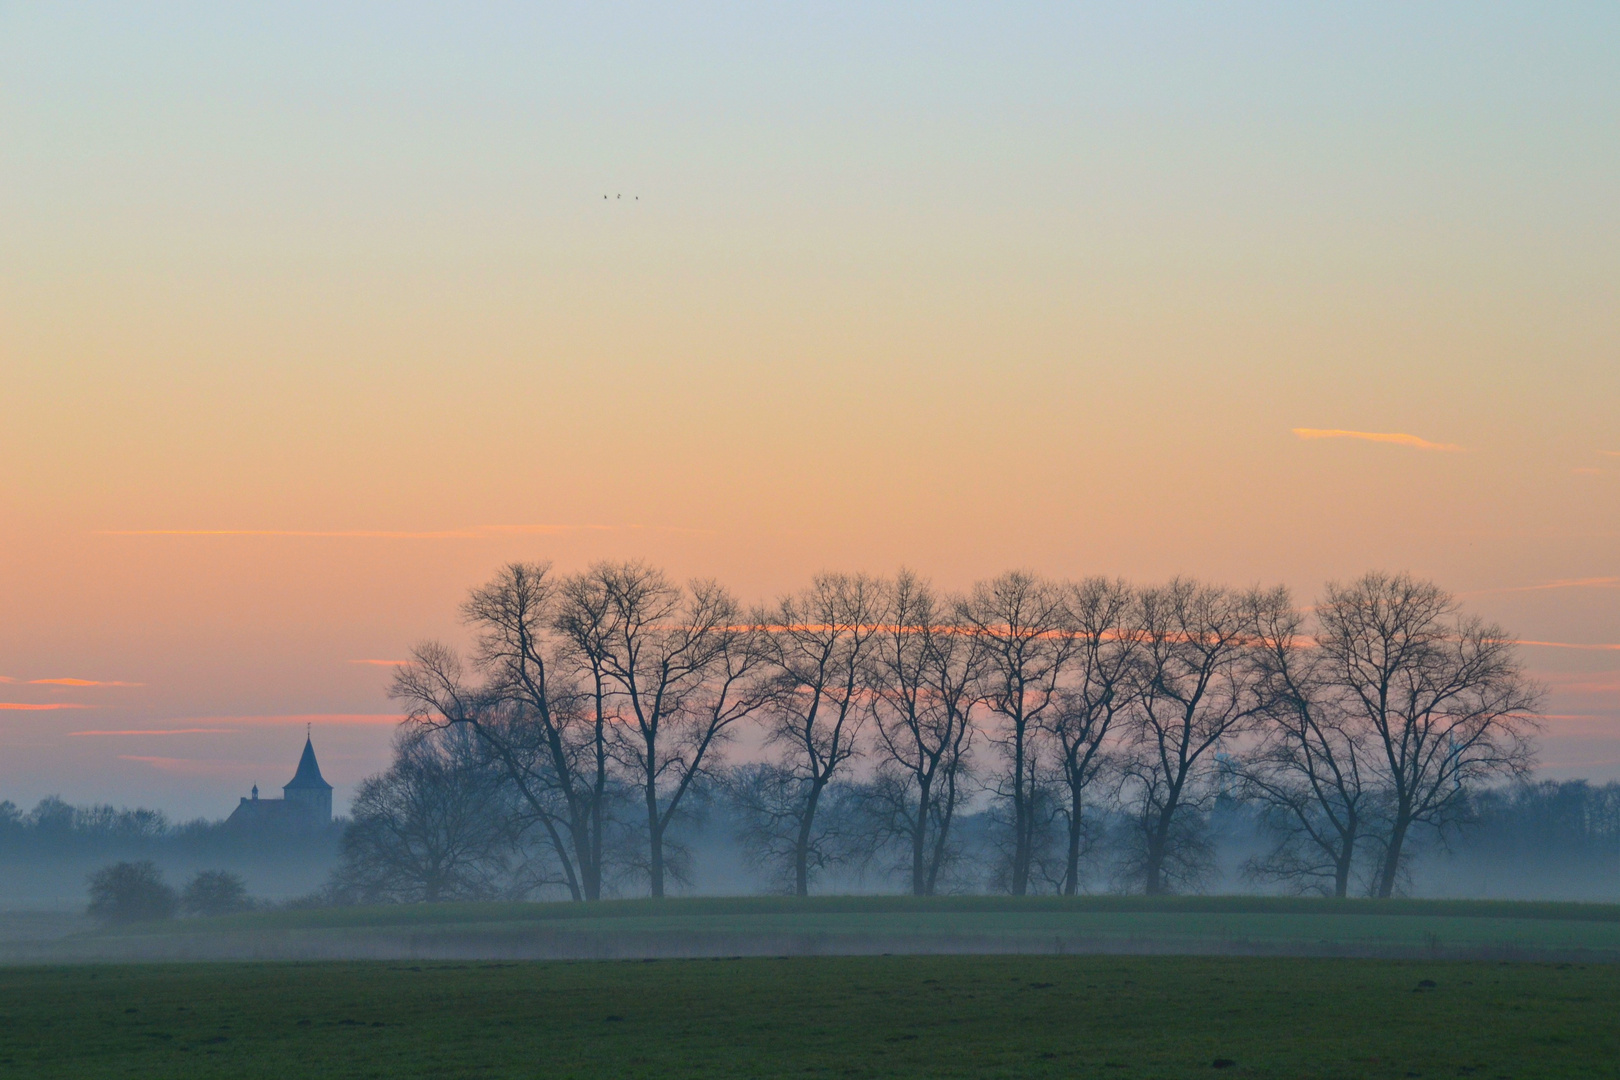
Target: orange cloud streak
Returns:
[25, 707]
[193, 766]
[477, 532]
[355, 534]
[1561, 583]
[383, 663]
[164, 731]
[1570, 645]
[1397, 437]
[318, 719]
[80, 682]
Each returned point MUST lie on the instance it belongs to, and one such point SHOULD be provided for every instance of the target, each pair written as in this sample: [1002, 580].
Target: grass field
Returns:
[935, 1016]
[770, 926]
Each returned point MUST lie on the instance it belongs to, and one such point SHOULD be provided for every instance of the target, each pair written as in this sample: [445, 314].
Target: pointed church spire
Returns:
[309, 771]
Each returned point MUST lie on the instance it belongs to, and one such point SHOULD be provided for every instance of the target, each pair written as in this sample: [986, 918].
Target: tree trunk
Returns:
[1392, 856]
[919, 840]
[1071, 870]
[1341, 868]
[801, 850]
[1022, 815]
[655, 844]
[941, 836]
[1158, 843]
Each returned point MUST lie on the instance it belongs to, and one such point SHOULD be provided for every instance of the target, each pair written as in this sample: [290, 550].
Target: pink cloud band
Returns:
[1399, 438]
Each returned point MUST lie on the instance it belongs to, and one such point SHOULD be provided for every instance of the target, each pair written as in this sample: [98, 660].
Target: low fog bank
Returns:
[1546, 841]
[47, 854]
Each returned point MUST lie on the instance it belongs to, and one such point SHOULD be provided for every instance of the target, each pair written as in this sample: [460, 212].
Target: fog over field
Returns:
[614, 733]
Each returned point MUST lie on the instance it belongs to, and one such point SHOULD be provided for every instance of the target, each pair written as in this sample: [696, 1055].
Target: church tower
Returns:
[307, 793]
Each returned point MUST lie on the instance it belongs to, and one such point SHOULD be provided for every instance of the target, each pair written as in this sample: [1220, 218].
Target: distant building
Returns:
[306, 800]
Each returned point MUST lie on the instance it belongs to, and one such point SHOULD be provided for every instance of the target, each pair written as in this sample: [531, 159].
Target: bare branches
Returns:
[1022, 625]
[1442, 697]
[1104, 678]
[926, 678]
[820, 649]
[1352, 726]
[1197, 688]
[679, 672]
[1310, 766]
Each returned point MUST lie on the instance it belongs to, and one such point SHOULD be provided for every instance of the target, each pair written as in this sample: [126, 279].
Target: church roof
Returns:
[309, 773]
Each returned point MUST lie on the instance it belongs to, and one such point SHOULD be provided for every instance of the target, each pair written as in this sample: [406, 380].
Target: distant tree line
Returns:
[55, 827]
[1024, 736]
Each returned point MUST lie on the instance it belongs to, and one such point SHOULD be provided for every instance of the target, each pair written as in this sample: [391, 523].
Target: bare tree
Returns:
[434, 826]
[1309, 768]
[583, 620]
[683, 668]
[1022, 624]
[769, 800]
[926, 677]
[536, 722]
[1199, 687]
[820, 646]
[1103, 670]
[437, 696]
[1443, 695]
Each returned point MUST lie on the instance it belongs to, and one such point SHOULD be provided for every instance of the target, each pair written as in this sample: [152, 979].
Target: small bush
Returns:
[215, 892]
[130, 892]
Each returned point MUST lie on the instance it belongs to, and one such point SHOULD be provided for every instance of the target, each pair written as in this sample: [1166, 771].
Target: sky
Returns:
[313, 315]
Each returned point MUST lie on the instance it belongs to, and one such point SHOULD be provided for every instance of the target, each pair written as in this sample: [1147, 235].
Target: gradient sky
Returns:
[311, 315]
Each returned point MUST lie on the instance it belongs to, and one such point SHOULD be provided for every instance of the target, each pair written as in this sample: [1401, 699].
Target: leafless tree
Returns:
[682, 667]
[927, 674]
[1103, 674]
[1199, 687]
[437, 696]
[583, 622]
[1022, 625]
[1443, 696]
[435, 826]
[820, 650]
[549, 735]
[1310, 766]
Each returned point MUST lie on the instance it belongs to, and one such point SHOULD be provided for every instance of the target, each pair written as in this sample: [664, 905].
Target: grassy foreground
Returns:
[937, 1016]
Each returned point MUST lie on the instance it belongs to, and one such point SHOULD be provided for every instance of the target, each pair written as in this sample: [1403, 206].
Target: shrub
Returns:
[130, 892]
[215, 892]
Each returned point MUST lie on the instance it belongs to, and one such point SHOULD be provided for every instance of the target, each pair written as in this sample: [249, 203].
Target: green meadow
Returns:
[854, 1016]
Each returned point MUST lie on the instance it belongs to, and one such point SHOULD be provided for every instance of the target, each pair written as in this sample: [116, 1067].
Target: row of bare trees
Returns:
[1355, 723]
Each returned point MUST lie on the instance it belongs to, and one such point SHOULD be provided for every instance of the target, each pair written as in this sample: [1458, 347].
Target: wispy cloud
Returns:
[22, 706]
[81, 682]
[1587, 472]
[362, 534]
[1397, 437]
[1595, 647]
[383, 663]
[540, 530]
[1561, 583]
[193, 766]
[1581, 682]
[476, 532]
[317, 719]
[165, 731]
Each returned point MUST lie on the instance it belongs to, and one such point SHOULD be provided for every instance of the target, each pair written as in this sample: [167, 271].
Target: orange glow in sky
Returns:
[298, 299]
